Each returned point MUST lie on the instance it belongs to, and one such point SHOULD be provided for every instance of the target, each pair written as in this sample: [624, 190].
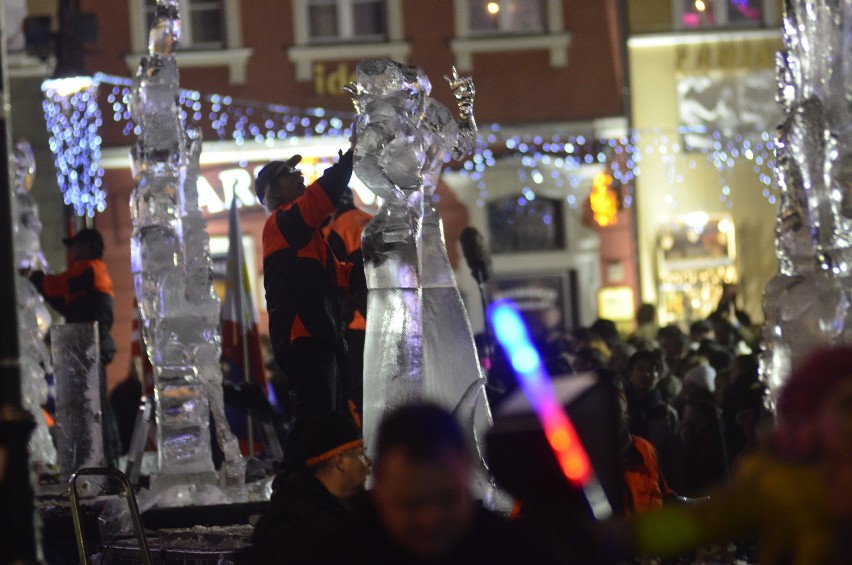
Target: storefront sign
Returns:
[330, 80]
[727, 55]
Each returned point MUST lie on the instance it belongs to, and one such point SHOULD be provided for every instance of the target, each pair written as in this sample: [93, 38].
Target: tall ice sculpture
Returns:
[419, 343]
[170, 261]
[807, 304]
[33, 315]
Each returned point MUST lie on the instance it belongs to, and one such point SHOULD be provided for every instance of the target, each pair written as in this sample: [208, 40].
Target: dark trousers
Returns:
[315, 375]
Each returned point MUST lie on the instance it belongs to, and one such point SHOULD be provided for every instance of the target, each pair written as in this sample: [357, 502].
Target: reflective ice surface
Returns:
[419, 344]
[807, 304]
[76, 361]
[33, 316]
[170, 261]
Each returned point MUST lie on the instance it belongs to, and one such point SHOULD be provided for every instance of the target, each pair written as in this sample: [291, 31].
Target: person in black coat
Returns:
[308, 504]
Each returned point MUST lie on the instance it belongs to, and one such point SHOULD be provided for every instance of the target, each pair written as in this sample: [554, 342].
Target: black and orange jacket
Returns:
[303, 281]
[82, 293]
[645, 483]
[343, 235]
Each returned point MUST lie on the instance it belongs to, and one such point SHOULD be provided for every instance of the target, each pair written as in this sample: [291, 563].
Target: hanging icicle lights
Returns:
[560, 157]
[73, 118]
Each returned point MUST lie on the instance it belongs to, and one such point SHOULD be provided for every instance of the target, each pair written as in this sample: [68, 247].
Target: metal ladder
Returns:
[127, 492]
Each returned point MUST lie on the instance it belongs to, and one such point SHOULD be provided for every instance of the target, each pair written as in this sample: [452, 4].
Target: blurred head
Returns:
[422, 480]
[85, 244]
[589, 359]
[815, 406]
[673, 342]
[646, 314]
[334, 454]
[702, 329]
[279, 182]
[644, 371]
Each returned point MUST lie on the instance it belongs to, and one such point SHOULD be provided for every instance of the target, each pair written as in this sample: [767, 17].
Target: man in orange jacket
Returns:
[343, 234]
[304, 284]
[83, 293]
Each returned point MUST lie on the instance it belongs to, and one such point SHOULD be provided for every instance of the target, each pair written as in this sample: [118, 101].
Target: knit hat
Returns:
[702, 376]
[327, 435]
[272, 171]
[813, 380]
[88, 235]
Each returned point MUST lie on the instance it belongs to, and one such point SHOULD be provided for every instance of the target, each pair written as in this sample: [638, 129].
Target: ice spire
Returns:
[33, 315]
[807, 304]
[170, 261]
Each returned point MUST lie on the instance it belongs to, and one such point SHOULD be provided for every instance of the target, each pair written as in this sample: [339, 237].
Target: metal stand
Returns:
[127, 492]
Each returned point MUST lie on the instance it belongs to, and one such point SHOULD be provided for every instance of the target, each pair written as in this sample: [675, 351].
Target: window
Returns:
[211, 35]
[500, 26]
[517, 224]
[202, 23]
[346, 20]
[696, 14]
[345, 30]
[507, 16]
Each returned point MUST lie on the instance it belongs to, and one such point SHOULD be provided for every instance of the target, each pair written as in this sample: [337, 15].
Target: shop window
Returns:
[501, 26]
[202, 23]
[517, 224]
[211, 35]
[507, 16]
[346, 20]
[691, 14]
[345, 30]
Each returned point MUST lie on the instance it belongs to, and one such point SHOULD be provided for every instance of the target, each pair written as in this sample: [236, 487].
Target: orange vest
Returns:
[647, 487]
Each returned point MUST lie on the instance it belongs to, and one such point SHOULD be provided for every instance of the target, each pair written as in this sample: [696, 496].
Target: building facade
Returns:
[703, 113]
[547, 72]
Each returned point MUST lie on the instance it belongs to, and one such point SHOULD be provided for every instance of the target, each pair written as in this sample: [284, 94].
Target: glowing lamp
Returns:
[604, 200]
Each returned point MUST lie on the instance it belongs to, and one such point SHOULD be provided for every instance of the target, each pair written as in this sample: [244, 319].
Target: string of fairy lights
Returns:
[553, 160]
[73, 119]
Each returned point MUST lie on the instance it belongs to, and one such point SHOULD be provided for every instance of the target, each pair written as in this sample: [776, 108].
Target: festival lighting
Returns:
[512, 334]
[604, 200]
[560, 159]
[73, 118]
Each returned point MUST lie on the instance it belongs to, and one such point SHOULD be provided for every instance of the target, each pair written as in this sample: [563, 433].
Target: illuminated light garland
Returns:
[512, 334]
[564, 155]
[73, 118]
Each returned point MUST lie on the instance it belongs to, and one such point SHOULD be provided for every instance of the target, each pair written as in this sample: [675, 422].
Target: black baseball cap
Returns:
[88, 235]
[272, 171]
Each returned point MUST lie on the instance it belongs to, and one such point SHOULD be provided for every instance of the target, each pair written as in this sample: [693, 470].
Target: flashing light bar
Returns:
[512, 334]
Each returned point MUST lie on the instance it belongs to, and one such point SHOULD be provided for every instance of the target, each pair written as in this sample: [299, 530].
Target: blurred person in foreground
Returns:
[421, 509]
[306, 506]
[796, 494]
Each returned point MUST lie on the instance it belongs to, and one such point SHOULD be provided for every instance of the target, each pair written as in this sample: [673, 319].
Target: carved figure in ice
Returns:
[419, 343]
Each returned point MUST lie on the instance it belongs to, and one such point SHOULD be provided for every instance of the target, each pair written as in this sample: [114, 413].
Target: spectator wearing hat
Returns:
[83, 293]
[304, 288]
[307, 506]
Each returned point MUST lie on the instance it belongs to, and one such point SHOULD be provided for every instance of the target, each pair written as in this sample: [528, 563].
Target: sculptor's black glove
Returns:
[336, 178]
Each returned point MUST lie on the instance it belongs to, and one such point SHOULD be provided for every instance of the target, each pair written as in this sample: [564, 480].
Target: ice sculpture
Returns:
[419, 343]
[170, 260]
[33, 316]
[807, 304]
[78, 396]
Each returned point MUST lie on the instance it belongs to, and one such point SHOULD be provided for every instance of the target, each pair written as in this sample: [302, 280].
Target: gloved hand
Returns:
[337, 176]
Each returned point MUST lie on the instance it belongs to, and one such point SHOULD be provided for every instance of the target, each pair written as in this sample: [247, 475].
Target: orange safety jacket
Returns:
[302, 278]
[82, 293]
[343, 234]
[645, 483]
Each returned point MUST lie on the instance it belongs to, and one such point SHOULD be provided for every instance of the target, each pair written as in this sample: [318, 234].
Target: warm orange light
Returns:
[493, 7]
[604, 201]
[700, 6]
